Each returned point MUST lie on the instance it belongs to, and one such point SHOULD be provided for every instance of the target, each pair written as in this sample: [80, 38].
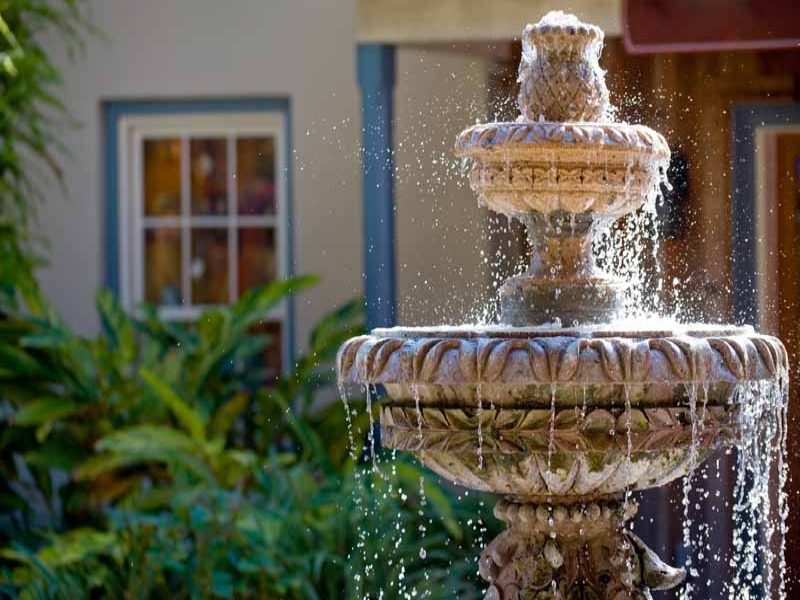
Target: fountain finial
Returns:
[559, 75]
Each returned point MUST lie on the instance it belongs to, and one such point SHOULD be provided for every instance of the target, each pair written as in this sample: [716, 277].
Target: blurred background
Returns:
[201, 157]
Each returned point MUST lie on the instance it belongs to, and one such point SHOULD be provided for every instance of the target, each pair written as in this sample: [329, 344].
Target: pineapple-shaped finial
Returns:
[559, 74]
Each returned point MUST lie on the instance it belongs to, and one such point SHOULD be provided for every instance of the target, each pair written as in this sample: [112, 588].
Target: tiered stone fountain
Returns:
[556, 410]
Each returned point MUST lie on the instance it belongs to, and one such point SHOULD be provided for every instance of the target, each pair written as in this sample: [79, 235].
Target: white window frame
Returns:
[133, 130]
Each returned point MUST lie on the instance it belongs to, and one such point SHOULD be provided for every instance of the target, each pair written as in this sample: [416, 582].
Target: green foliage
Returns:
[31, 113]
[156, 460]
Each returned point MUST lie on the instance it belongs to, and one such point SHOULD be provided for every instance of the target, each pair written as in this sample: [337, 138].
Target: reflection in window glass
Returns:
[209, 266]
[162, 177]
[209, 176]
[257, 260]
[162, 252]
[255, 175]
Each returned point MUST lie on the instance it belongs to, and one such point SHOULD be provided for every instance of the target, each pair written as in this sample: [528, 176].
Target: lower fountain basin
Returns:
[573, 413]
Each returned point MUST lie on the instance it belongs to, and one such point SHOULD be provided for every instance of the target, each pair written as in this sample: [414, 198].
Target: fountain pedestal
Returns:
[579, 550]
[556, 410]
[563, 283]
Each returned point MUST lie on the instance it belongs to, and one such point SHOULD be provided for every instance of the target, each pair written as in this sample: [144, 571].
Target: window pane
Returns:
[209, 267]
[162, 275]
[209, 176]
[255, 175]
[257, 260]
[162, 177]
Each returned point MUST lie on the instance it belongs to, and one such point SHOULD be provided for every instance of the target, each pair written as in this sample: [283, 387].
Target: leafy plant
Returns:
[155, 459]
[31, 114]
[158, 459]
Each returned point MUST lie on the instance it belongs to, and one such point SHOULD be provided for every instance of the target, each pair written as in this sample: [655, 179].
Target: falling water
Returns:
[628, 248]
[423, 502]
[629, 443]
[703, 535]
[479, 416]
[371, 432]
[358, 497]
[759, 525]
[783, 476]
[415, 393]
[584, 405]
[551, 441]
[348, 420]
[628, 466]
[686, 525]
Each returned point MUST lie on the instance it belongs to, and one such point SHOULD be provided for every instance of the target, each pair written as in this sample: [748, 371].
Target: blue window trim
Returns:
[376, 77]
[746, 119]
[114, 110]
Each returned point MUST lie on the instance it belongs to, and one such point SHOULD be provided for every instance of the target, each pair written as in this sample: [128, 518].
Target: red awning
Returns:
[652, 26]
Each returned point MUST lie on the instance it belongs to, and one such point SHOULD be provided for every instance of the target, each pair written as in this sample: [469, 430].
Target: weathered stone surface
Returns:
[528, 367]
[560, 158]
[535, 413]
[559, 75]
[572, 551]
[578, 429]
[563, 422]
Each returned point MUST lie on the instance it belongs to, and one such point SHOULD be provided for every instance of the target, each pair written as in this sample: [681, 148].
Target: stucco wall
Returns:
[303, 49]
[441, 229]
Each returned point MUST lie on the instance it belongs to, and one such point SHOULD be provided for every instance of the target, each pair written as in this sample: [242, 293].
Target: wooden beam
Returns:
[426, 21]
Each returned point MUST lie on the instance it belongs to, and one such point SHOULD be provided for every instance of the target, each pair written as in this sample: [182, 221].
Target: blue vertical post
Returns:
[376, 76]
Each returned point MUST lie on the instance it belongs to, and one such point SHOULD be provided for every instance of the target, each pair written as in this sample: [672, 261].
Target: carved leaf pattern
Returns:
[519, 465]
[734, 357]
[346, 356]
[521, 430]
[531, 176]
[766, 353]
[568, 362]
[675, 356]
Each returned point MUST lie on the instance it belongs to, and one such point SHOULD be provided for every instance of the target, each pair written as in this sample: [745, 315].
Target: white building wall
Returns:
[303, 49]
[441, 229]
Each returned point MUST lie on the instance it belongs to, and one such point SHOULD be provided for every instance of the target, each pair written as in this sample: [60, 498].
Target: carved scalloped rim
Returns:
[364, 359]
[476, 140]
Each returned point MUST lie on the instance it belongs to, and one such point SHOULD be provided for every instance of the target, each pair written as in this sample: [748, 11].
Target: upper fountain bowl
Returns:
[563, 154]
[604, 168]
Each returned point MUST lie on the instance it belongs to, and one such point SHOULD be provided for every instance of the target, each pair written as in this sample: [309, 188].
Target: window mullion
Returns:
[233, 231]
[138, 216]
[186, 239]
